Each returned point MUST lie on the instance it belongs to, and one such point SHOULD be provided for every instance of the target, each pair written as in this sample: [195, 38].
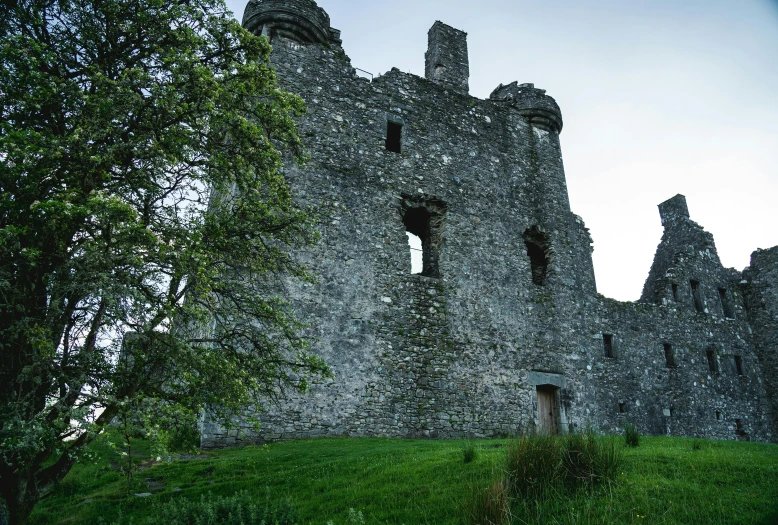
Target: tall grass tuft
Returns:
[533, 464]
[587, 460]
[631, 435]
[469, 451]
[489, 507]
[537, 464]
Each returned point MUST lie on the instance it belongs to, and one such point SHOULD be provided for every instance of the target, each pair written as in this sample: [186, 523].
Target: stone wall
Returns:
[761, 290]
[507, 305]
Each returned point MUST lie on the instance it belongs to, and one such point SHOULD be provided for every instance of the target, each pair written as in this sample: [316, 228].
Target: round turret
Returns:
[299, 20]
[533, 104]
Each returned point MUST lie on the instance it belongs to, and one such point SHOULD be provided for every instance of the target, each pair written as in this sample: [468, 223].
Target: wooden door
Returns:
[546, 410]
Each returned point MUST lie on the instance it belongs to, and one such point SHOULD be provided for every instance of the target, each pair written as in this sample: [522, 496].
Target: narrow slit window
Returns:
[669, 355]
[394, 133]
[726, 305]
[697, 296]
[718, 415]
[539, 253]
[607, 341]
[675, 292]
[739, 365]
[712, 363]
[672, 412]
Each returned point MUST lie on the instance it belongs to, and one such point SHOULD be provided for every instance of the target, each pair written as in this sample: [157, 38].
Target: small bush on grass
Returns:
[489, 507]
[469, 451]
[631, 435]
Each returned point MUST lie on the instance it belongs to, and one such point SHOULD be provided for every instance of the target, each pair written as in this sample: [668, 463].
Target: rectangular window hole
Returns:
[622, 408]
[607, 340]
[539, 252]
[726, 305]
[394, 132]
[739, 365]
[697, 296]
[718, 415]
[712, 364]
[423, 220]
[675, 292]
[669, 355]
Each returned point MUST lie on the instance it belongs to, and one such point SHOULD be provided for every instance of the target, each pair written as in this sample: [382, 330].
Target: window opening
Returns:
[672, 412]
[675, 293]
[423, 220]
[539, 252]
[718, 415]
[739, 365]
[698, 305]
[622, 408]
[669, 355]
[414, 243]
[394, 133]
[607, 340]
[712, 363]
[726, 305]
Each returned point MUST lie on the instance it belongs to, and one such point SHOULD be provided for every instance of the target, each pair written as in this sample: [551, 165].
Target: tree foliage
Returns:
[145, 224]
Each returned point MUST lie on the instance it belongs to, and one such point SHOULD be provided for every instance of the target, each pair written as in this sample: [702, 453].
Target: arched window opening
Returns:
[539, 252]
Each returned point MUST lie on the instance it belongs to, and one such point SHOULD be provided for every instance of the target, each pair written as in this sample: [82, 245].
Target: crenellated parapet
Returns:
[533, 104]
[299, 20]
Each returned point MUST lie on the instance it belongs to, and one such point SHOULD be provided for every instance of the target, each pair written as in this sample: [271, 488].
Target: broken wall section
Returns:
[761, 292]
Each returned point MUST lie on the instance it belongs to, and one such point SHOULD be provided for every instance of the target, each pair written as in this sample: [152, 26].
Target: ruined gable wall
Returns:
[761, 292]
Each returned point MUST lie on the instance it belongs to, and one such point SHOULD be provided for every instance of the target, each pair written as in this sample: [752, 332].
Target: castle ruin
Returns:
[502, 329]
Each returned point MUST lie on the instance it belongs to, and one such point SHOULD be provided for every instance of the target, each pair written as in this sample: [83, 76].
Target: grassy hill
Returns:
[665, 480]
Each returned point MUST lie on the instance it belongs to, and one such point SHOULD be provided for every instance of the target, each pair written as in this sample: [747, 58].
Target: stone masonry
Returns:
[505, 309]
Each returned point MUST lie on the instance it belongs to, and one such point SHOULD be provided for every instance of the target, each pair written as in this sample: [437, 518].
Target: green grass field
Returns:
[665, 480]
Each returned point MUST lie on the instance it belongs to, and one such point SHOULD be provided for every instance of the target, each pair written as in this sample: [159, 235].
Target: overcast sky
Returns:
[658, 97]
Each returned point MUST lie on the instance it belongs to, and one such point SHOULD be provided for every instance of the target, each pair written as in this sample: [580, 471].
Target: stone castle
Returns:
[502, 330]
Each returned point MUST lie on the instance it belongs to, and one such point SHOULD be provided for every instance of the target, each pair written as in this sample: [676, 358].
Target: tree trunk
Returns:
[15, 505]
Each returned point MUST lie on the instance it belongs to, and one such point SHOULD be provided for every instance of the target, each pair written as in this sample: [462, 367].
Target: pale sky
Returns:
[658, 97]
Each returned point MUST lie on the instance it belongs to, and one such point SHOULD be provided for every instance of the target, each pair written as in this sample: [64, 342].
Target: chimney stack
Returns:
[447, 62]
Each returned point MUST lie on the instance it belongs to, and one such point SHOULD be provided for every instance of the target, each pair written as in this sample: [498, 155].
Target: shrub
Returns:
[489, 507]
[469, 452]
[631, 435]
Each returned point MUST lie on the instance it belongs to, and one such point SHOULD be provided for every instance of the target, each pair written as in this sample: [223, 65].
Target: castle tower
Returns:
[299, 20]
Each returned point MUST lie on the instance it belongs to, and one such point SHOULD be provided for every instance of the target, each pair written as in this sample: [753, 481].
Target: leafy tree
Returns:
[145, 225]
